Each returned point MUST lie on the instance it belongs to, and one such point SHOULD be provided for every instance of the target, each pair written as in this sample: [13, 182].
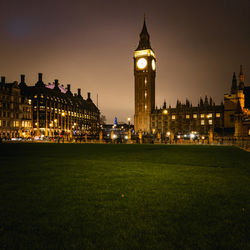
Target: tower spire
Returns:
[144, 42]
[234, 84]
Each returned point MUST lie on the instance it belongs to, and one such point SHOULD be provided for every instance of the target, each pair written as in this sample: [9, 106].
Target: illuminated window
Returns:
[145, 106]
[210, 122]
[35, 96]
[195, 116]
[210, 115]
[1, 124]
[173, 117]
[187, 116]
[145, 93]
[29, 101]
[202, 122]
[248, 131]
[202, 115]
[218, 115]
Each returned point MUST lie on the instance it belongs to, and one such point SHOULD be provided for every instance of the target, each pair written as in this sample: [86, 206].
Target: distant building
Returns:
[237, 107]
[15, 111]
[205, 119]
[45, 110]
[57, 111]
[117, 132]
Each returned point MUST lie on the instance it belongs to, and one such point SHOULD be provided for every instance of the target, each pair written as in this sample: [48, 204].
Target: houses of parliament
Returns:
[229, 119]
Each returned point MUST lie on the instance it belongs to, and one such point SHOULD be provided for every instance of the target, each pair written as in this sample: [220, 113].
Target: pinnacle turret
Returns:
[234, 84]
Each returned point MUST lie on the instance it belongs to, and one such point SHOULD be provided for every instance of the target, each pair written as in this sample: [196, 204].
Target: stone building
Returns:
[15, 111]
[57, 111]
[237, 107]
[206, 119]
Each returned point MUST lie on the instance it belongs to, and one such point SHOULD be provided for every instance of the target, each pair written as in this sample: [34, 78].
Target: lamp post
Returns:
[55, 123]
[51, 125]
[63, 123]
[129, 132]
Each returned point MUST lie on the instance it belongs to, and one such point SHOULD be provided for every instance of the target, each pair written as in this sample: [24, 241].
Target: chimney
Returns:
[40, 77]
[68, 87]
[56, 83]
[3, 79]
[89, 95]
[22, 78]
[79, 92]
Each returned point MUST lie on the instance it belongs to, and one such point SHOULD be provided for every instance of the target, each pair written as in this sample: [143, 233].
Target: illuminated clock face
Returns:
[153, 64]
[142, 63]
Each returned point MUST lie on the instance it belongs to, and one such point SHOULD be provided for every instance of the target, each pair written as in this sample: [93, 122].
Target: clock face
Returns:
[142, 63]
[153, 64]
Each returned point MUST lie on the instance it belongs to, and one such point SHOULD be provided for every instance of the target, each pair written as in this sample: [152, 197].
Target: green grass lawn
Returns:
[70, 196]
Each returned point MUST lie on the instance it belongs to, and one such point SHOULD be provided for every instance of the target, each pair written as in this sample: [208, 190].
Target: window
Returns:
[202, 122]
[217, 115]
[187, 116]
[248, 131]
[194, 116]
[16, 124]
[173, 117]
[202, 115]
[231, 118]
[210, 122]
[210, 115]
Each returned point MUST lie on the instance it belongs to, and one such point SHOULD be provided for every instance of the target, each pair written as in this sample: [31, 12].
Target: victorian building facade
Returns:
[15, 111]
[45, 110]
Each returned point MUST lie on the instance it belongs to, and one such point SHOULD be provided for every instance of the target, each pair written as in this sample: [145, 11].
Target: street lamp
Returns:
[63, 123]
[129, 119]
[51, 125]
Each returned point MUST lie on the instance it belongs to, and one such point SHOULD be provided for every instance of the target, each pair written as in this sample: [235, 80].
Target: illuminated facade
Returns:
[56, 111]
[237, 107]
[15, 111]
[204, 119]
[144, 72]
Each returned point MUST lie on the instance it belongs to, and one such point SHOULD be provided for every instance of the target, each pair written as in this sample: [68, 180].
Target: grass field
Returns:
[90, 196]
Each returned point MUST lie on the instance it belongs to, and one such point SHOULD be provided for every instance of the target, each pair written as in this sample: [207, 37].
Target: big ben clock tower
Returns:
[144, 72]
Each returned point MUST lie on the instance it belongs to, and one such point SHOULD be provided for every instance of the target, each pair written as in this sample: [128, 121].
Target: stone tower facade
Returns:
[234, 99]
[144, 72]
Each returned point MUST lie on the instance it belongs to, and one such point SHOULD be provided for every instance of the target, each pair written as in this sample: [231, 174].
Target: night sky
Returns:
[90, 44]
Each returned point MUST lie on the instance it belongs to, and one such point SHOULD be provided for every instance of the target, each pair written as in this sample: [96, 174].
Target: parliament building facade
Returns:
[229, 119]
